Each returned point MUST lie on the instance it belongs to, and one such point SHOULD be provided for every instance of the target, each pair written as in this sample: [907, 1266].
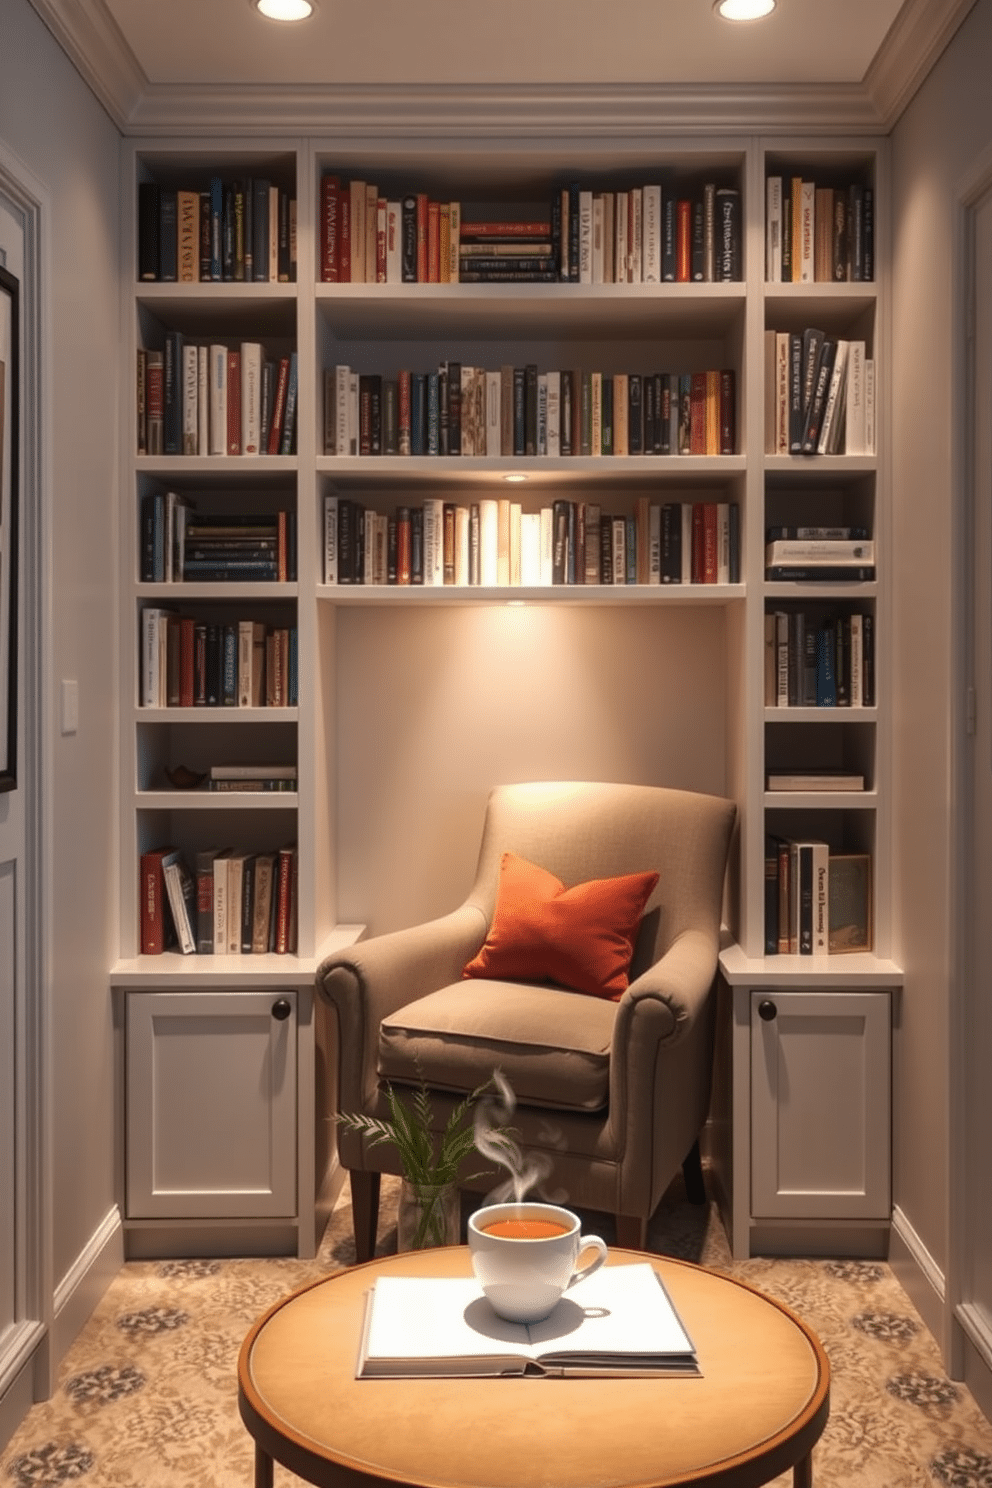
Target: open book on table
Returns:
[619, 1322]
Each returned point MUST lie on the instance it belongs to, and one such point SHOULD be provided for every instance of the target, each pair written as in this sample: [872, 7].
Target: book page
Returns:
[619, 1310]
[420, 1317]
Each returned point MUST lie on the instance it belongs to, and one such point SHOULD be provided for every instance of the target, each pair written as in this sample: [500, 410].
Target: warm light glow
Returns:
[514, 478]
[744, 10]
[285, 10]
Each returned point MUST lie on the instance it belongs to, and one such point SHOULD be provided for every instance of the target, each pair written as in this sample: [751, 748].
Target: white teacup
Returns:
[525, 1255]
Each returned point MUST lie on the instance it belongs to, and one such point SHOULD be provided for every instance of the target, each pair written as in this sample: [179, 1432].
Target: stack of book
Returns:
[472, 411]
[818, 233]
[819, 661]
[819, 395]
[228, 903]
[242, 229]
[506, 241]
[819, 554]
[192, 663]
[252, 778]
[493, 542]
[196, 399]
[250, 547]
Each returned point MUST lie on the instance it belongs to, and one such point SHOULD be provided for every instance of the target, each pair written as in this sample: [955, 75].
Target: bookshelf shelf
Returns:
[555, 594]
[607, 470]
[177, 800]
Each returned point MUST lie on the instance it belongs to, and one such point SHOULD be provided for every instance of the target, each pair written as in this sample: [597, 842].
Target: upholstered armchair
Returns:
[612, 1091]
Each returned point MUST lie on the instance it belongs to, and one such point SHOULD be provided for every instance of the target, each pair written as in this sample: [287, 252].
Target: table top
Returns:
[760, 1404]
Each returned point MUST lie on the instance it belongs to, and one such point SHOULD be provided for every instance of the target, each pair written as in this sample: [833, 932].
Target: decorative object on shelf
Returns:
[429, 1204]
[850, 902]
[180, 777]
[9, 422]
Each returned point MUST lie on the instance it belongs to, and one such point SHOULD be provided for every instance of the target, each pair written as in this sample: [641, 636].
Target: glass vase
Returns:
[428, 1214]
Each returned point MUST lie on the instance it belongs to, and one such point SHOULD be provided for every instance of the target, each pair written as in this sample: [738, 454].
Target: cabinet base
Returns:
[152, 1240]
[850, 1239]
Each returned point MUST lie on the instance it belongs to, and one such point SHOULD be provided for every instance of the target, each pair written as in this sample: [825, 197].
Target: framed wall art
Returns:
[9, 414]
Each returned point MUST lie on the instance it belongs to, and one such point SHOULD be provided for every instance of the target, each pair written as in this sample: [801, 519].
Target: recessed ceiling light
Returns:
[285, 10]
[744, 10]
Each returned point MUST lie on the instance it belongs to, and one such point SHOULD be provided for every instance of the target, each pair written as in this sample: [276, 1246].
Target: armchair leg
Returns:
[692, 1172]
[364, 1212]
[632, 1232]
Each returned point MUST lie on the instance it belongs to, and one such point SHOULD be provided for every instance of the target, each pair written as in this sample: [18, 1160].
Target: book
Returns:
[180, 889]
[203, 868]
[620, 1322]
[156, 928]
[814, 780]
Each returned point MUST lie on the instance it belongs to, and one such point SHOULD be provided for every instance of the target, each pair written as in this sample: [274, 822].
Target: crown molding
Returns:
[94, 43]
[916, 39]
[89, 35]
[501, 111]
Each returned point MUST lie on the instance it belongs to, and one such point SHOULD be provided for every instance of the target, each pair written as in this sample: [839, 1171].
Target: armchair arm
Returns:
[661, 1067]
[370, 980]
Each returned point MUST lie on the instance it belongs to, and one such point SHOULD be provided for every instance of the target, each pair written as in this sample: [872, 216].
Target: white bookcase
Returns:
[383, 328]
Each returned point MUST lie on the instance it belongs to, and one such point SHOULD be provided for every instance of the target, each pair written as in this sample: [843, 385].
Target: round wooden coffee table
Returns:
[761, 1402]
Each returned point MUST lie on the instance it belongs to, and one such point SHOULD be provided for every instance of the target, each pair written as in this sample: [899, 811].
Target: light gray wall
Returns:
[936, 143]
[52, 123]
[438, 706]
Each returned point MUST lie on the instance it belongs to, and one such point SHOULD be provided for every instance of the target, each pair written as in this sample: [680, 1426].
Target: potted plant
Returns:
[429, 1206]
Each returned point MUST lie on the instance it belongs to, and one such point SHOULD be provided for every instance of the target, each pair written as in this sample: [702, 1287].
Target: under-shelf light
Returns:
[514, 478]
[285, 10]
[744, 10]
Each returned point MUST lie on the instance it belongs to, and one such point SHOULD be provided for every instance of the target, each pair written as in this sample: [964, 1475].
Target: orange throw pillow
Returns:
[582, 938]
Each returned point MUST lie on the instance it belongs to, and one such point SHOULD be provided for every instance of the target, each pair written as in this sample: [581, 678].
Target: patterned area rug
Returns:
[148, 1393]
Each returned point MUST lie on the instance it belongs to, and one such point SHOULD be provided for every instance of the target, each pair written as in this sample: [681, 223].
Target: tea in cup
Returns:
[524, 1256]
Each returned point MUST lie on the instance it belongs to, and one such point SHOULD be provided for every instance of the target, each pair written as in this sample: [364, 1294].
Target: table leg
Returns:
[263, 1468]
[802, 1473]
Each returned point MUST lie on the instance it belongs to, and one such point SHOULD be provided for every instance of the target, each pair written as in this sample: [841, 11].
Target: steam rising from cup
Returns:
[524, 1174]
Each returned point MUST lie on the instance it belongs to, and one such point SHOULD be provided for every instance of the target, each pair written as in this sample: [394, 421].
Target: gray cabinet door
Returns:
[211, 1104]
[820, 1073]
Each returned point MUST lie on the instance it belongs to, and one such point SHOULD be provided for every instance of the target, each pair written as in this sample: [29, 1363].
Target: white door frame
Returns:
[26, 1364]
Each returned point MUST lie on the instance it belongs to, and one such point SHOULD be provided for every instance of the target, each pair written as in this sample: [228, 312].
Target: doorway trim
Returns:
[25, 1368]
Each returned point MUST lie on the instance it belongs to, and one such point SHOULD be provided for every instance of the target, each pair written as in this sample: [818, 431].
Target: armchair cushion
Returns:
[581, 938]
[554, 1048]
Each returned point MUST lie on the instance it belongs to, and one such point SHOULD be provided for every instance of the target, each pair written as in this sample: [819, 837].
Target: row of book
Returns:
[215, 400]
[218, 902]
[818, 234]
[819, 554]
[817, 903]
[235, 230]
[495, 543]
[819, 662]
[192, 663]
[469, 411]
[819, 394]
[643, 235]
[179, 544]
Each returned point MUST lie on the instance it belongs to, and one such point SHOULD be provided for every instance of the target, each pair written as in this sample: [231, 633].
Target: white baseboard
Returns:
[85, 1282]
[919, 1275]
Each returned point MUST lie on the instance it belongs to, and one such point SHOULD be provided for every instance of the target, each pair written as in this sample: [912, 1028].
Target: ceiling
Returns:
[190, 64]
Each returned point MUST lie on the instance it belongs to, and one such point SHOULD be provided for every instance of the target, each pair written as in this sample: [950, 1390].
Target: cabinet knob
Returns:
[281, 1009]
[767, 1009]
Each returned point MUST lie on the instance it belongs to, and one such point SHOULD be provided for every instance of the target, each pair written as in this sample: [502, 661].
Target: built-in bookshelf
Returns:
[362, 350]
